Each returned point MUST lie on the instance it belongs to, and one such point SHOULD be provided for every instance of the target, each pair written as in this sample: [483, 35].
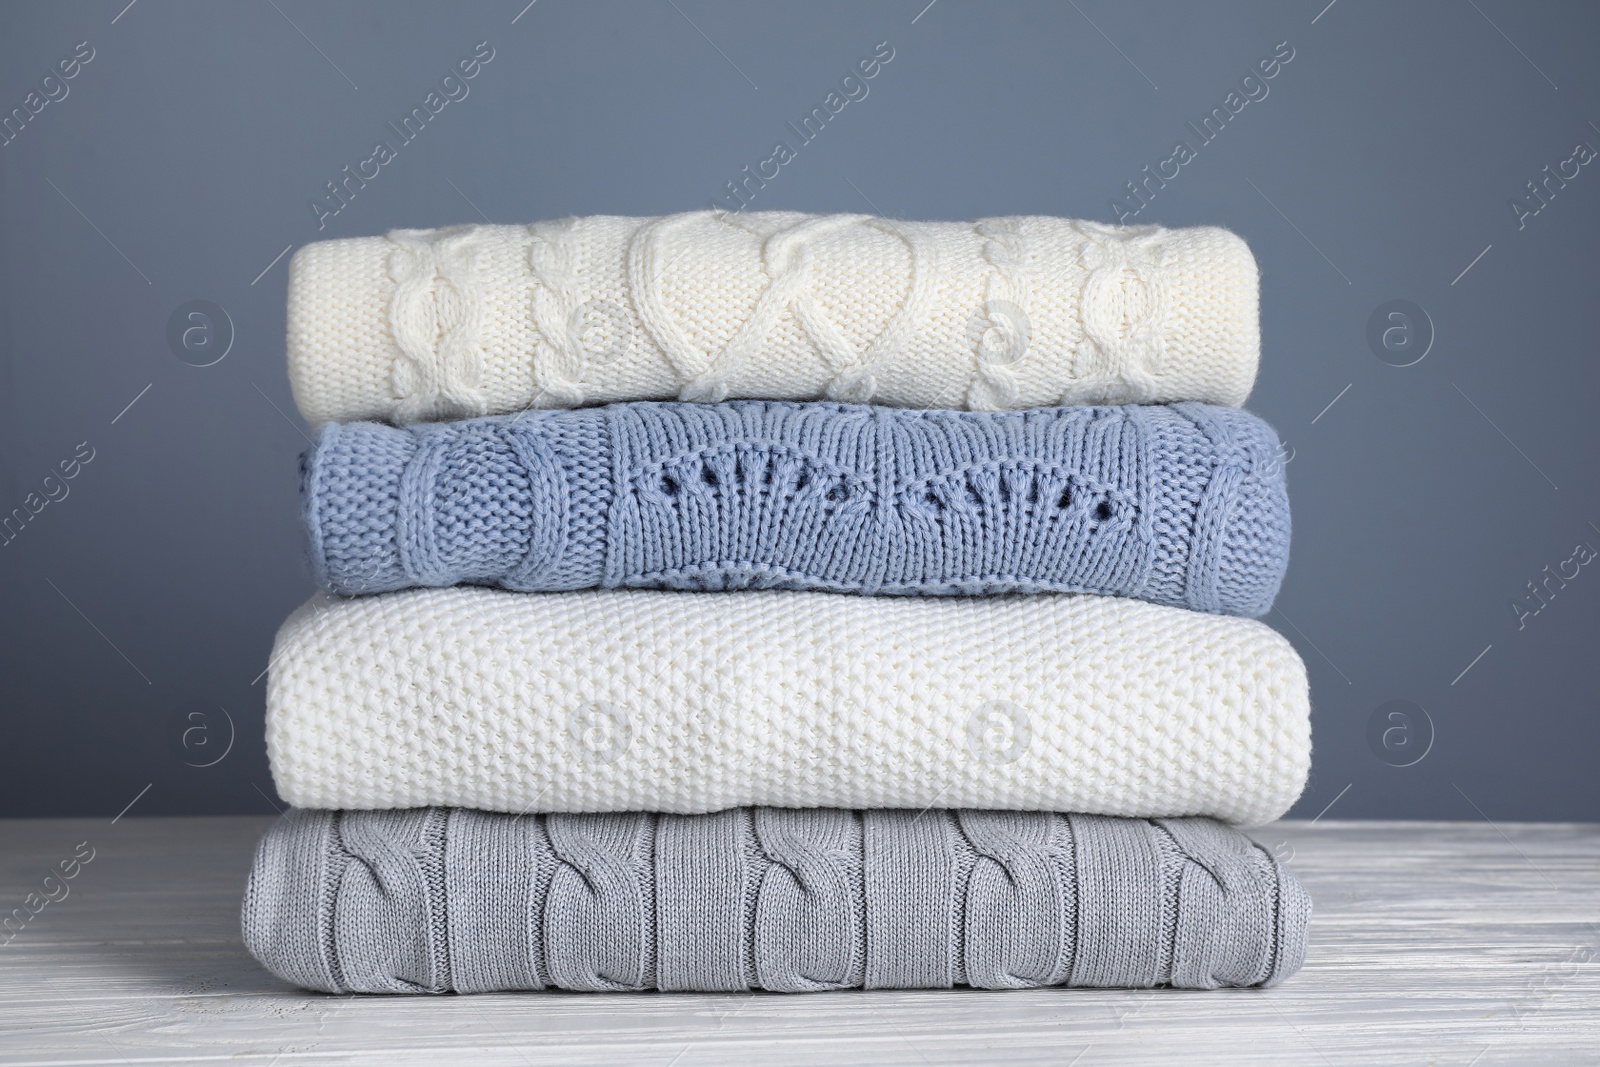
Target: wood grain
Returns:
[1432, 943]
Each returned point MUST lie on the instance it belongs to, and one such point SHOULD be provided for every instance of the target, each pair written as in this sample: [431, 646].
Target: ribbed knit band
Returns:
[1002, 313]
[438, 900]
[1182, 505]
[644, 700]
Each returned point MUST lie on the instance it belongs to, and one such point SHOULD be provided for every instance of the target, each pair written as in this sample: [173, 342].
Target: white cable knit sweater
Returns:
[1017, 312]
[695, 702]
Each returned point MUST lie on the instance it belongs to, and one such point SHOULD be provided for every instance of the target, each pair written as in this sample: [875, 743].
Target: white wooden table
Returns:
[1432, 943]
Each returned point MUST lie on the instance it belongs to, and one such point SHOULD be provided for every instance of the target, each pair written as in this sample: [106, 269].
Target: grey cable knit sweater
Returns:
[439, 900]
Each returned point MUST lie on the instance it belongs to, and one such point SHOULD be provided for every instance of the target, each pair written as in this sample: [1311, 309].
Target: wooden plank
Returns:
[1442, 943]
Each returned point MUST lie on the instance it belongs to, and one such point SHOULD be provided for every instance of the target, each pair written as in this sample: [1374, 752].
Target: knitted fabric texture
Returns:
[1002, 313]
[439, 900]
[1181, 505]
[642, 700]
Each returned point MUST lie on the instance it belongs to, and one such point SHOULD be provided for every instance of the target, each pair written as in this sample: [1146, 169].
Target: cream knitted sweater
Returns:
[634, 700]
[1017, 312]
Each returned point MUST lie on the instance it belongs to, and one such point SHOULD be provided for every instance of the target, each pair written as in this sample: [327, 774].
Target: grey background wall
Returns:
[139, 606]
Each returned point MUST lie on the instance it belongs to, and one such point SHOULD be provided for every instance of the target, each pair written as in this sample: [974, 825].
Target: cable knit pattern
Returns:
[1126, 303]
[1182, 505]
[641, 700]
[762, 898]
[1019, 312]
[561, 353]
[1002, 331]
[436, 319]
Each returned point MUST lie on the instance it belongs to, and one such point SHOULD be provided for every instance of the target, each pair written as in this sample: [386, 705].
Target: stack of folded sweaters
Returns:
[784, 602]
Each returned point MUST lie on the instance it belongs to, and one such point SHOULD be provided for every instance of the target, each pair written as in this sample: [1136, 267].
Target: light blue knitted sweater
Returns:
[1182, 504]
